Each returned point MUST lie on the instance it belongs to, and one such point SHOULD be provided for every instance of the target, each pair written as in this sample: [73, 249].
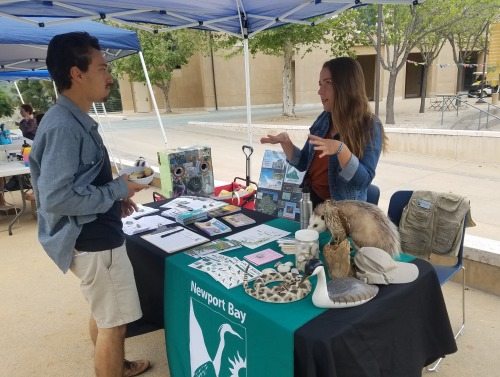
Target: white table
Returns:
[15, 168]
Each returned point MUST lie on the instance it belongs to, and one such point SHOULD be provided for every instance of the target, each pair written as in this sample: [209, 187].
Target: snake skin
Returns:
[287, 291]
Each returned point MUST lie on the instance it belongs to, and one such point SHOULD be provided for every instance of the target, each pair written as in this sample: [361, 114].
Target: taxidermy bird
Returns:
[363, 222]
[337, 293]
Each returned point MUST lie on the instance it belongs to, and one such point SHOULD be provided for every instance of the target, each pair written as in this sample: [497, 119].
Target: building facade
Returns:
[213, 82]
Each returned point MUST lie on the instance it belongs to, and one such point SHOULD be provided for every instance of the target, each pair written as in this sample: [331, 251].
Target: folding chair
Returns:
[435, 104]
[398, 202]
[373, 194]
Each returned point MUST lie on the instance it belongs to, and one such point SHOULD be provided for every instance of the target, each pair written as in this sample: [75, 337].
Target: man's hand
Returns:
[133, 187]
[128, 207]
[275, 139]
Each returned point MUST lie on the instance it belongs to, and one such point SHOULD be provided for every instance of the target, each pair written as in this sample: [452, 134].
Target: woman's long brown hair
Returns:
[351, 113]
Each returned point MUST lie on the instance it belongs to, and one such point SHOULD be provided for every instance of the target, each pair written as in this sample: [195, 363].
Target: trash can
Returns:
[494, 98]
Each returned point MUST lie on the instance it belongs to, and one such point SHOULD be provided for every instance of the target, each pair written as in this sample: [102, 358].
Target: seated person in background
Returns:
[28, 124]
[38, 118]
[345, 142]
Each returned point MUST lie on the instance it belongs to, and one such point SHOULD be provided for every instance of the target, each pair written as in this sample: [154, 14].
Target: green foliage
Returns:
[303, 38]
[163, 53]
[290, 40]
[6, 108]
[468, 33]
[407, 27]
[37, 93]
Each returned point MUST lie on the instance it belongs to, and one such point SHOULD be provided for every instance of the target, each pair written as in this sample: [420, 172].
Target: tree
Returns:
[37, 93]
[403, 28]
[467, 35]
[430, 46]
[163, 53]
[6, 108]
[287, 41]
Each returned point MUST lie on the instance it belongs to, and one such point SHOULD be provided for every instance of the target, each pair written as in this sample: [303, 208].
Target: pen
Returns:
[168, 234]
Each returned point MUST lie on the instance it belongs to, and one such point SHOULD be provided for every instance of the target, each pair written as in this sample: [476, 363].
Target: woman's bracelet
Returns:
[340, 148]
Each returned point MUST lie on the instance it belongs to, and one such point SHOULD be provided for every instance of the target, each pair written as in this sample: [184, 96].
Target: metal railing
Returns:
[112, 106]
[457, 102]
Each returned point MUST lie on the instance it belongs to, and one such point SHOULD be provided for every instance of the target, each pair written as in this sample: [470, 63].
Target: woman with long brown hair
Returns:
[347, 133]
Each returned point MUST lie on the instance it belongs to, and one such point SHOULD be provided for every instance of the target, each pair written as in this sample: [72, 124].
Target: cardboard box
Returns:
[186, 171]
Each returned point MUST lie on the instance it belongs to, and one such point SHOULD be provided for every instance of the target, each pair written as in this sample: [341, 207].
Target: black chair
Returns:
[398, 202]
[373, 194]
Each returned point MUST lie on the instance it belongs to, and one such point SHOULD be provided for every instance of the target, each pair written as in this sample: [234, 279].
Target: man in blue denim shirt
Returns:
[347, 133]
[80, 205]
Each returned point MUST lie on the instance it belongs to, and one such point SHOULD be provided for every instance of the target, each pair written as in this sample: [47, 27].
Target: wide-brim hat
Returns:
[376, 266]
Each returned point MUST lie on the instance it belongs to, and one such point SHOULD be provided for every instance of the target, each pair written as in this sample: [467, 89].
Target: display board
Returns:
[279, 193]
[186, 171]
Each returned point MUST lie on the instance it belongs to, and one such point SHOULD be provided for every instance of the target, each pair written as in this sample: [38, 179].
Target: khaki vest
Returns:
[432, 222]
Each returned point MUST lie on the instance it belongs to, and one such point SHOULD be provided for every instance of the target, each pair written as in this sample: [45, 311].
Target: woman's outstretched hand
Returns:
[326, 146]
[275, 139]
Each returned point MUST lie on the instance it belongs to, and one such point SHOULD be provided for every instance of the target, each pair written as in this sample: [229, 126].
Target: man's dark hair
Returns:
[66, 51]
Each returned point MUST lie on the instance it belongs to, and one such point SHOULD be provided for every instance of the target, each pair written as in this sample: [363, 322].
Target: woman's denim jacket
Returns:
[353, 180]
[66, 156]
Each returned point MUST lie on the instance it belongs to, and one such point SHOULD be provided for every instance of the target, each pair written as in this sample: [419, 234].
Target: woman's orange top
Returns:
[318, 175]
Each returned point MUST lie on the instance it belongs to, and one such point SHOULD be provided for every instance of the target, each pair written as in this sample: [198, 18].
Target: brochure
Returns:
[259, 235]
[213, 227]
[133, 226]
[213, 247]
[226, 270]
[226, 210]
[239, 219]
[262, 257]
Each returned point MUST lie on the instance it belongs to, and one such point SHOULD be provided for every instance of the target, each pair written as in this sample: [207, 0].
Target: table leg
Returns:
[21, 190]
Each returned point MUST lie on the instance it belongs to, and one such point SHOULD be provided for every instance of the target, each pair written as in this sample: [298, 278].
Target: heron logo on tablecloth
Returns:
[217, 345]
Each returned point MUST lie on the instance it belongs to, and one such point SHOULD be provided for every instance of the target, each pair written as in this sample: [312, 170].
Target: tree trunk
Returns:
[165, 88]
[423, 89]
[391, 90]
[460, 74]
[288, 107]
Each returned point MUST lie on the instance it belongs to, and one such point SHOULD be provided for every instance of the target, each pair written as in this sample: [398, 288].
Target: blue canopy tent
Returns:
[14, 76]
[42, 74]
[23, 44]
[241, 18]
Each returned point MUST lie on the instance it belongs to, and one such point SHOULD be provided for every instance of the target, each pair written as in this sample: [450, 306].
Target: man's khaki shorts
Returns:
[108, 284]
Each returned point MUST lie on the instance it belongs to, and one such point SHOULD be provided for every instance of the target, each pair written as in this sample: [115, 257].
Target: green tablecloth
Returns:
[219, 330]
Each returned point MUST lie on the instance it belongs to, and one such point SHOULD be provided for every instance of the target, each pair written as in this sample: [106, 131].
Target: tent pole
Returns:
[379, 58]
[153, 97]
[55, 88]
[247, 90]
[111, 133]
[18, 92]
[104, 137]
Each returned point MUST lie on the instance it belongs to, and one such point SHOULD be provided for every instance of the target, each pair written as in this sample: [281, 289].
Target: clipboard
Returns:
[175, 239]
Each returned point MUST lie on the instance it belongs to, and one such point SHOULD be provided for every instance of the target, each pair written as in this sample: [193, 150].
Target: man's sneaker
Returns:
[134, 368]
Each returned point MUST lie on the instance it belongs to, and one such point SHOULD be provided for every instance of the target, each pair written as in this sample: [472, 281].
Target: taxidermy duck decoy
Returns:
[337, 293]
